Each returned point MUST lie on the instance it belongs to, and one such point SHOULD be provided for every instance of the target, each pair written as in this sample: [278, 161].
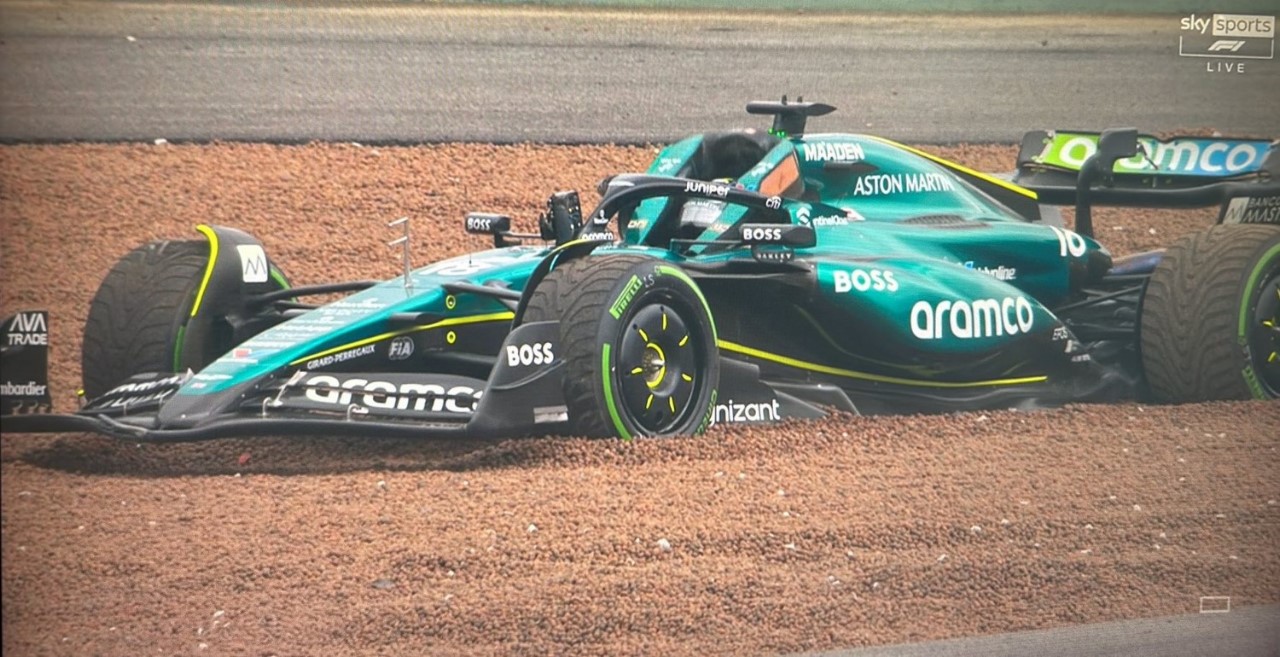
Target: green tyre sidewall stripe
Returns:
[606, 375]
[177, 348]
[667, 270]
[1266, 262]
[692, 298]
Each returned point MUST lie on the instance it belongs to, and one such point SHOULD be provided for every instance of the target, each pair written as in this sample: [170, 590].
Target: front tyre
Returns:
[140, 318]
[1211, 317]
[639, 345]
[137, 316]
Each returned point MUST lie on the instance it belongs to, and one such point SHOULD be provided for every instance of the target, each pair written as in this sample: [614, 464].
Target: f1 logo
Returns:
[1228, 45]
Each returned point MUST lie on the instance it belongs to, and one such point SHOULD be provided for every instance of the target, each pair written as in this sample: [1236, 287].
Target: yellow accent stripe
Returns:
[452, 321]
[764, 355]
[962, 168]
[208, 269]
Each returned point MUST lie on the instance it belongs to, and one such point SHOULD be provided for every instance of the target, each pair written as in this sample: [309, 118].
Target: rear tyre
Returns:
[1211, 317]
[639, 346]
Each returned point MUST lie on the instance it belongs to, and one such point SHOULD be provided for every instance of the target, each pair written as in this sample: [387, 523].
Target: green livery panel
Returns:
[918, 281]
[821, 271]
[922, 284]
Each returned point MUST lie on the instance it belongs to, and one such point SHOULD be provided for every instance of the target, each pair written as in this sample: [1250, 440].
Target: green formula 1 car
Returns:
[747, 276]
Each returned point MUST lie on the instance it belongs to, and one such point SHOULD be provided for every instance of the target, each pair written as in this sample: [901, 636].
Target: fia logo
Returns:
[400, 348]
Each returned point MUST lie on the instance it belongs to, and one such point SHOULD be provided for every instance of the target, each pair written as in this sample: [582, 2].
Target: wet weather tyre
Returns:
[139, 311]
[639, 346]
[1211, 317]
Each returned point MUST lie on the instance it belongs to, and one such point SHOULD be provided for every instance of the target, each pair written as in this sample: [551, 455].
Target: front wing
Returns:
[520, 395]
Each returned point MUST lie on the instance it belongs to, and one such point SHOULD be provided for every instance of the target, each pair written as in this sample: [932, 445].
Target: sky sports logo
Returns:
[1234, 36]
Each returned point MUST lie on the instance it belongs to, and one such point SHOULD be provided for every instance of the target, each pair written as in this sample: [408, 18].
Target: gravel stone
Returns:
[298, 549]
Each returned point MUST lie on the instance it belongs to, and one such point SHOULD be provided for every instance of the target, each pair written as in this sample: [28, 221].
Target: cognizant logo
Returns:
[754, 412]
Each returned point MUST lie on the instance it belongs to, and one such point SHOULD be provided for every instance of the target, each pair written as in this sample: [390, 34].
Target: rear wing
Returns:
[1121, 167]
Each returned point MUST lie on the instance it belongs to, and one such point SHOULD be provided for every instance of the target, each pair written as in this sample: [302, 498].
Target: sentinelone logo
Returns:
[1233, 36]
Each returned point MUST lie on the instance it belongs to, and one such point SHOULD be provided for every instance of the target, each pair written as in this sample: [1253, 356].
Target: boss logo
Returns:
[863, 280]
[486, 223]
[529, 354]
[751, 234]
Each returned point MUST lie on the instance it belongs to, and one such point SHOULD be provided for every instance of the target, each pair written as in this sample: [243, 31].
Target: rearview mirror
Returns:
[792, 235]
[1117, 144]
[563, 217]
[1113, 144]
[484, 223]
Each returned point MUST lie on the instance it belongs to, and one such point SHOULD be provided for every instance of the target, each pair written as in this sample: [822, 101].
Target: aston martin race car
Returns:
[747, 276]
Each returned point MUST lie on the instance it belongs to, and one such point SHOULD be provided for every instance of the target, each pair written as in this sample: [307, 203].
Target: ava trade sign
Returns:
[1182, 156]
